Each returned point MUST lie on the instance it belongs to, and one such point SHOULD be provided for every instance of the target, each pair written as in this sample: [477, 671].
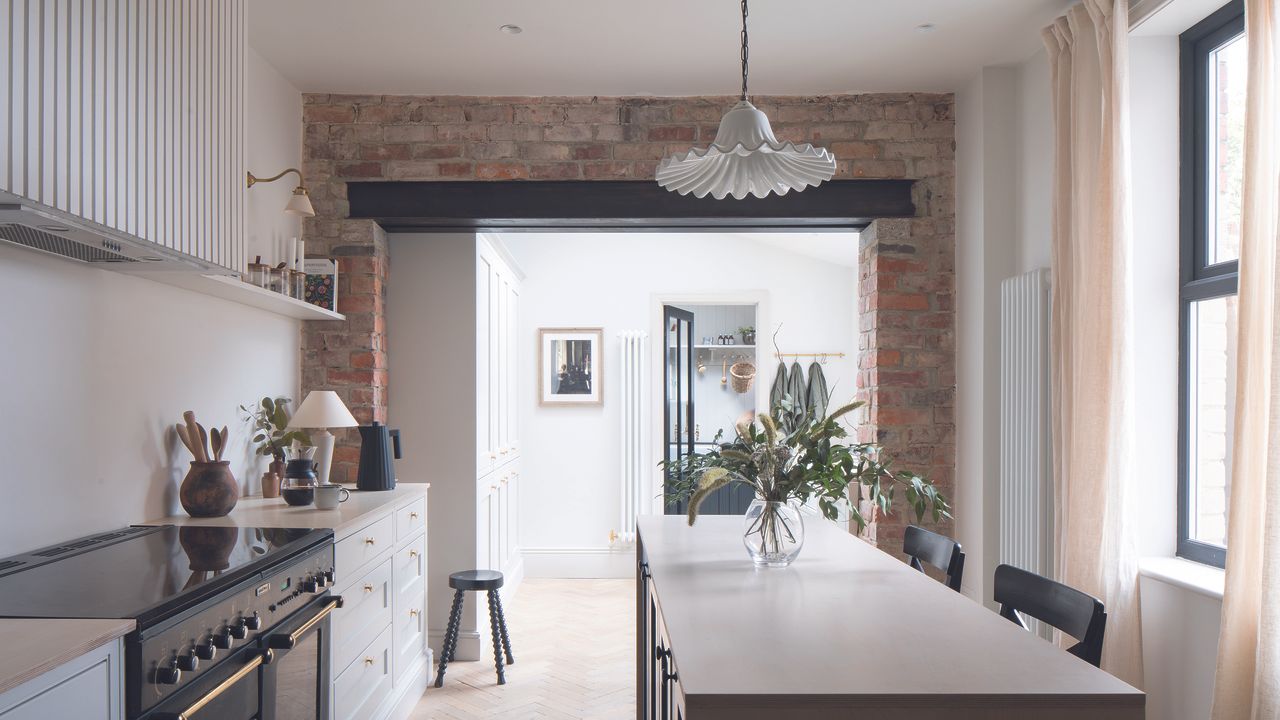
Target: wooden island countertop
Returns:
[845, 631]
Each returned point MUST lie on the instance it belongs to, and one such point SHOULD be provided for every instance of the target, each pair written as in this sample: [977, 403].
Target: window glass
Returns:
[1211, 393]
[1228, 74]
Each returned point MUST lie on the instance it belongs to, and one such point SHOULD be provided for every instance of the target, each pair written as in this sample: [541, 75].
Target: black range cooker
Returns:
[232, 623]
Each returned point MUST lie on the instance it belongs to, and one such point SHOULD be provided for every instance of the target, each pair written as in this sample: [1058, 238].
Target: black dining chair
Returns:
[940, 551]
[1079, 615]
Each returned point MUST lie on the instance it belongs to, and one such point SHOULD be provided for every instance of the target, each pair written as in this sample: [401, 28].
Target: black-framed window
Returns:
[1213, 71]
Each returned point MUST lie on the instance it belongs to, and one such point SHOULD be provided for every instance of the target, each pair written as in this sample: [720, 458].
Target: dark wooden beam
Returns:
[631, 204]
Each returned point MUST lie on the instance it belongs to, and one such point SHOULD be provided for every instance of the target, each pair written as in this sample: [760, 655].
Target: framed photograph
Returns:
[569, 366]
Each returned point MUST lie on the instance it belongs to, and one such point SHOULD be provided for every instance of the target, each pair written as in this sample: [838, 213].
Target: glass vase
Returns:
[774, 533]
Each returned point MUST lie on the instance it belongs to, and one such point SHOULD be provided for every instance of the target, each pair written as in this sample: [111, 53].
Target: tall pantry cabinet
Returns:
[454, 346]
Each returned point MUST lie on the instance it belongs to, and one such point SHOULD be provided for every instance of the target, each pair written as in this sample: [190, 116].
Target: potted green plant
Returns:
[748, 334]
[786, 471]
[269, 420]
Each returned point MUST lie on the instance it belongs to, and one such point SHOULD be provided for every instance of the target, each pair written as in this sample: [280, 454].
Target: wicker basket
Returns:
[741, 374]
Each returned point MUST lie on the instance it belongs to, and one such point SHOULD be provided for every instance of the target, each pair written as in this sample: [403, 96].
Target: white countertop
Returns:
[34, 646]
[257, 511]
[849, 622]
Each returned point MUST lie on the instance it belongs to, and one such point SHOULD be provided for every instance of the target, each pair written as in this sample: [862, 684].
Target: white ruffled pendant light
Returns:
[746, 158]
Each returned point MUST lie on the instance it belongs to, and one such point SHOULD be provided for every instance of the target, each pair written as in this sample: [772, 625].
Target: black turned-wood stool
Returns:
[476, 580]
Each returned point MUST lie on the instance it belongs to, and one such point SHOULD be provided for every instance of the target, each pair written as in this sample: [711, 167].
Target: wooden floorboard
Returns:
[575, 658]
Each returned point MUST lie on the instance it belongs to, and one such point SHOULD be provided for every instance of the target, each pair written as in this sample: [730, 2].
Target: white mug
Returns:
[329, 496]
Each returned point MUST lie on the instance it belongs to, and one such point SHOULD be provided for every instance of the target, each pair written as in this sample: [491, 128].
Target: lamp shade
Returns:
[300, 204]
[746, 159]
[322, 409]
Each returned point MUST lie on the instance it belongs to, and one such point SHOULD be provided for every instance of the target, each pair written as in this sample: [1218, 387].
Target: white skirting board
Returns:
[581, 563]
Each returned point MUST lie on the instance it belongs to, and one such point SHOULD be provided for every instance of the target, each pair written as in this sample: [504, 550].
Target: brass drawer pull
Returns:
[369, 541]
[413, 516]
[413, 613]
[413, 553]
[368, 587]
[368, 661]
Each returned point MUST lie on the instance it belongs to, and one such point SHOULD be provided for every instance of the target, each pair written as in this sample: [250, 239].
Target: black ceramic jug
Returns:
[377, 471]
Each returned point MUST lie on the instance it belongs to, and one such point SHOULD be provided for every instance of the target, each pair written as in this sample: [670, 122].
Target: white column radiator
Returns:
[1026, 481]
[636, 466]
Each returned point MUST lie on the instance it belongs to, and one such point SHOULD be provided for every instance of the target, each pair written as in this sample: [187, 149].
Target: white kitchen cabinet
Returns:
[498, 521]
[89, 687]
[497, 359]
[130, 115]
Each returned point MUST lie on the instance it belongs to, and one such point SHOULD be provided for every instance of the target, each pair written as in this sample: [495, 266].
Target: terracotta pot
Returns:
[270, 485]
[209, 489]
[276, 468]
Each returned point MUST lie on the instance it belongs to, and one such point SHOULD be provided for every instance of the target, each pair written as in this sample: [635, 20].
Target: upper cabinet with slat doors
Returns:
[129, 113]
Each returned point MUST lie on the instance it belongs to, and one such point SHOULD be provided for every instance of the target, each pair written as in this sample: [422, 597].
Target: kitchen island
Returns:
[846, 631]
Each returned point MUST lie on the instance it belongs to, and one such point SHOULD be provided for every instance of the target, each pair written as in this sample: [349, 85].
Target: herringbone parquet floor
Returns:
[574, 643]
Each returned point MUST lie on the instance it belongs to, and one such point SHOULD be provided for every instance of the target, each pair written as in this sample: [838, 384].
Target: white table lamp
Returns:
[320, 410]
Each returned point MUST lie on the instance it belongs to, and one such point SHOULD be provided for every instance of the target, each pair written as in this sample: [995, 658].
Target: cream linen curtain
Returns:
[1092, 326]
[1247, 686]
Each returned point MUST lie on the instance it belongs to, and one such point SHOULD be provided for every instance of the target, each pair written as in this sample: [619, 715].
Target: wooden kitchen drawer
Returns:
[366, 612]
[411, 518]
[352, 552]
[365, 682]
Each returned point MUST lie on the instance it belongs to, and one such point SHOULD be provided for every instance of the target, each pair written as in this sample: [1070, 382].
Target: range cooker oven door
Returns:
[295, 684]
[282, 676]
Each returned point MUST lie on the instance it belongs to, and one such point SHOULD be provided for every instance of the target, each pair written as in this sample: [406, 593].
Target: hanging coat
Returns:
[817, 395]
[779, 388]
[796, 390]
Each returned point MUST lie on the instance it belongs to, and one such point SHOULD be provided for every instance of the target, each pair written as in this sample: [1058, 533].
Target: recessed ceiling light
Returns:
[511, 29]
[926, 28]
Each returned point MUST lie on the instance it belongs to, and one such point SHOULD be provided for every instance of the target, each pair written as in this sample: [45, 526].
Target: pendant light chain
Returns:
[744, 49]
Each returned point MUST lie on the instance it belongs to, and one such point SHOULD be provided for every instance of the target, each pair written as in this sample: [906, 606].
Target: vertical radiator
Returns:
[1026, 479]
[636, 467]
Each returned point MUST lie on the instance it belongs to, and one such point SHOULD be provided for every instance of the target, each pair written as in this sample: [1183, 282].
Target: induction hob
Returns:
[145, 573]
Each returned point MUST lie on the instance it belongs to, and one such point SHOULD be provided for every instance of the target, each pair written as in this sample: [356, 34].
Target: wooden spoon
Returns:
[193, 435]
[216, 440]
[224, 442]
[204, 443]
[186, 439]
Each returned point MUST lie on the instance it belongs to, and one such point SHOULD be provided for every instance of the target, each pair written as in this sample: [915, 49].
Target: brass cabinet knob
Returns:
[413, 553]
[413, 613]
[368, 661]
[413, 516]
[369, 541]
[493, 456]
[368, 587]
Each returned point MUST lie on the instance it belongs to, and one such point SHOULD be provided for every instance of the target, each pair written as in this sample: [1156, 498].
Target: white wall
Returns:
[986, 191]
[98, 366]
[273, 142]
[615, 281]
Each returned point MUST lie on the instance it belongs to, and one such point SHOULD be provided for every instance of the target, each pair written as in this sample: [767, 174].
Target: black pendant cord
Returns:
[744, 50]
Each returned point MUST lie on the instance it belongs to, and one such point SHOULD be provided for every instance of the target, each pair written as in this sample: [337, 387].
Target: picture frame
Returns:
[570, 364]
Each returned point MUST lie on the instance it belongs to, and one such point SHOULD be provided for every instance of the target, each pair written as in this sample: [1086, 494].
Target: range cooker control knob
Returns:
[328, 577]
[240, 630]
[253, 622]
[168, 675]
[205, 651]
[310, 585]
[222, 639]
[188, 663]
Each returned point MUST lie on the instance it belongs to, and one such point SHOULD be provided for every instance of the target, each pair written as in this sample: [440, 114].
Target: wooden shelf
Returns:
[229, 287]
[724, 347]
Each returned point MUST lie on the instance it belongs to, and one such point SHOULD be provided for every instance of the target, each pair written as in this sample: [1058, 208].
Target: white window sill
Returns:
[1196, 577]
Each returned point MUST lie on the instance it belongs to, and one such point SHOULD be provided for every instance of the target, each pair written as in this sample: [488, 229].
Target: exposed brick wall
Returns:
[906, 345]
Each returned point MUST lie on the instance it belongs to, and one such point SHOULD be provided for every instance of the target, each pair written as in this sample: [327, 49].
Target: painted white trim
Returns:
[1196, 577]
[581, 562]
[468, 643]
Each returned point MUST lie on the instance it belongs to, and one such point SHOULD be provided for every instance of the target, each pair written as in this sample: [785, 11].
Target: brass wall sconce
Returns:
[300, 203]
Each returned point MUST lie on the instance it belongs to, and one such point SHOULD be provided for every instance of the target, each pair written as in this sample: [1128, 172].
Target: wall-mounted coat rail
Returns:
[817, 355]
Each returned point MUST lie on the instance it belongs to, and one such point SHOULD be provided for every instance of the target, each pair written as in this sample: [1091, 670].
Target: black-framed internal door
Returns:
[677, 395]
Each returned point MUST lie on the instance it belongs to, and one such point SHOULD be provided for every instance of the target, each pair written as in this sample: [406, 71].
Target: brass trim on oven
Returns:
[286, 642]
[237, 676]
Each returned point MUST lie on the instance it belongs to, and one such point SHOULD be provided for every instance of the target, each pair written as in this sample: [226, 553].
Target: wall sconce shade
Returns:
[299, 203]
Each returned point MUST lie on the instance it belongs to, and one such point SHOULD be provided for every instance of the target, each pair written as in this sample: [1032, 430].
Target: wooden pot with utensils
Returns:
[209, 489]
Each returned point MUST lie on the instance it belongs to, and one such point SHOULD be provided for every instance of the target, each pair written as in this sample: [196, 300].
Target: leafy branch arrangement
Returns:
[809, 462]
[269, 420]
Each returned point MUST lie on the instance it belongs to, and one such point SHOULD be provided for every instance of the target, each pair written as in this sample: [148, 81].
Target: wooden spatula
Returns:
[193, 435]
[215, 437]
[185, 437]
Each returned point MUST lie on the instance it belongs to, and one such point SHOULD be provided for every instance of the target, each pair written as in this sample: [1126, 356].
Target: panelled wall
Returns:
[906, 353]
[129, 113]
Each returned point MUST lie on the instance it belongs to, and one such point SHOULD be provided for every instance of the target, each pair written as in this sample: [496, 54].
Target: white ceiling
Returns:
[838, 248]
[643, 47]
